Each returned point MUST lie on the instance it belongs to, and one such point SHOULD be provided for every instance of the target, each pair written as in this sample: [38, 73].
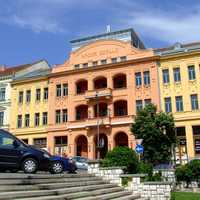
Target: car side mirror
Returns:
[16, 143]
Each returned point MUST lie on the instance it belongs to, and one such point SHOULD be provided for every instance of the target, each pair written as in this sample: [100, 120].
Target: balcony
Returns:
[103, 121]
[88, 123]
[100, 93]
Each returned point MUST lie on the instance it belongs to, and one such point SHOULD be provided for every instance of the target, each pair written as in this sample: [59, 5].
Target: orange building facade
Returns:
[95, 94]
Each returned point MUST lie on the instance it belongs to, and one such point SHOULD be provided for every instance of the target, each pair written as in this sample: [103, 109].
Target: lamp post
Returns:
[98, 145]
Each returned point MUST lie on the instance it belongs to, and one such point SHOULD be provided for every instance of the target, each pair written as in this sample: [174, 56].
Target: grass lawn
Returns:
[185, 196]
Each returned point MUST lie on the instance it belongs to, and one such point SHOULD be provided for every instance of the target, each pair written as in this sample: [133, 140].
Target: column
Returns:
[190, 141]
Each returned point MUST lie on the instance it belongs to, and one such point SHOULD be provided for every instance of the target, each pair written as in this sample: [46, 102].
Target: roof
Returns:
[124, 35]
[178, 48]
[4, 70]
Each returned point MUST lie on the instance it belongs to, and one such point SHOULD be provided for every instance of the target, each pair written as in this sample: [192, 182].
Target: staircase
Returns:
[81, 186]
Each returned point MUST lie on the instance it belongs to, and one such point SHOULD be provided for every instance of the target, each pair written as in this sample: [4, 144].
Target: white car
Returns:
[81, 162]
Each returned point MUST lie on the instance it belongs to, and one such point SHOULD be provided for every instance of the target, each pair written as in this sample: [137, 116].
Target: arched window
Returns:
[81, 112]
[119, 81]
[100, 83]
[120, 108]
[81, 86]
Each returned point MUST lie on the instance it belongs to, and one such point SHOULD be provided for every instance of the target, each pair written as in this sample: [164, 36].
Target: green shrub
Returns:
[145, 168]
[184, 173]
[194, 166]
[122, 156]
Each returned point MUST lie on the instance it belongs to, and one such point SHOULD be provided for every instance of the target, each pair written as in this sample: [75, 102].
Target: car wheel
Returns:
[57, 167]
[29, 165]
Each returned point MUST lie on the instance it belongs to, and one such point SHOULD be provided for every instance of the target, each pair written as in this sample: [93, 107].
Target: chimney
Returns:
[108, 29]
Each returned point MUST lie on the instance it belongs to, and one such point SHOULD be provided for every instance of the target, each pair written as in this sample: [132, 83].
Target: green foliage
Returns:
[194, 165]
[157, 132]
[122, 156]
[145, 168]
[126, 180]
[189, 172]
[184, 173]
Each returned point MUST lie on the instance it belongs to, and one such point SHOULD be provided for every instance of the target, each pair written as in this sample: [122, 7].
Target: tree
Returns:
[157, 130]
[122, 156]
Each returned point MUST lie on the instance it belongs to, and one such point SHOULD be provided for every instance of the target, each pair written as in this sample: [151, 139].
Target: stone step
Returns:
[8, 188]
[42, 176]
[39, 181]
[129, 197]
[72, 184]
[107, 196]
[96, 188]
[79, 195]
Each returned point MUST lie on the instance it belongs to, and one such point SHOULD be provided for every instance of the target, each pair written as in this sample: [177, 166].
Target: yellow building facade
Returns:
[179, 77]
[29, 97]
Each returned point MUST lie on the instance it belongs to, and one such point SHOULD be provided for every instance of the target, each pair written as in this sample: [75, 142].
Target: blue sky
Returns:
[35, 29]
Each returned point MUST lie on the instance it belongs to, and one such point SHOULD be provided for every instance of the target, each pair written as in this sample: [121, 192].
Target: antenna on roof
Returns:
[108, 29]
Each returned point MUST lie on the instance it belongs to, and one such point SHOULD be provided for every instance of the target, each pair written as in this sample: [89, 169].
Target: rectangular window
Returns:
[19, 121]
[65, 117]
[46, 93]
[138, 79]
[20, 99]
[38, 94]
[27, 120]
[77, 66]
[123, 58]
[168, 104]
[65, 89]
[37, 119]
[179, 103]
[1, 118]
[194, 101]
[146, 78]
[58, 90]
[58, 117]
[103, 62]
[165, 75]
[114, 60]
[147, 101]
[44, 118]
[2, 94]
[61, 143]
[95, 63]
[28, 96]
[177, 74]
[191, 72]
[85, 65]
[40, 142]
[139, 105]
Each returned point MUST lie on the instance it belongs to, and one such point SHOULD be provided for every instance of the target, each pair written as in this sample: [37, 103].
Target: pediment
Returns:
[106, 49]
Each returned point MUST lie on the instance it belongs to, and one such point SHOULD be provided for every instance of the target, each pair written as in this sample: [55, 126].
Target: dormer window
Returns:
[104, 61]
[114, 60]
[77, 66]
[123, 58]
[85, 65]
[95, 63]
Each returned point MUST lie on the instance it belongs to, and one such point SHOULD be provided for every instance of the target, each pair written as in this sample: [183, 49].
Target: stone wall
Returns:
[147, 190]
[167, 175]
[150, 190]
[112, 174]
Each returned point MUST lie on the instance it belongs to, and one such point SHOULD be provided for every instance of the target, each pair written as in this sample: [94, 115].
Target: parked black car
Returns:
[16, 155]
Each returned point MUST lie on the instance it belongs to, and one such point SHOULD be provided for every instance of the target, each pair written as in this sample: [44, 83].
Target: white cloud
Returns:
[178, 24]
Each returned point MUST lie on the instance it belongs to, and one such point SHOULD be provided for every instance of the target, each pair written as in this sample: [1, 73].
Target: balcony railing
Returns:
[101, 93]
[103, 121]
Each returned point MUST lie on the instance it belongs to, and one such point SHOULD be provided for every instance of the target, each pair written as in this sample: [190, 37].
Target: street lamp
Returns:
[98, 144]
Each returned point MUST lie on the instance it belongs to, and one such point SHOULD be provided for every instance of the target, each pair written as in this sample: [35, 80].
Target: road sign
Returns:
[139, 148]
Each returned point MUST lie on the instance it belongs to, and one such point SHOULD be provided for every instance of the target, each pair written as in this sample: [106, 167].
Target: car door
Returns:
[9, 154]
